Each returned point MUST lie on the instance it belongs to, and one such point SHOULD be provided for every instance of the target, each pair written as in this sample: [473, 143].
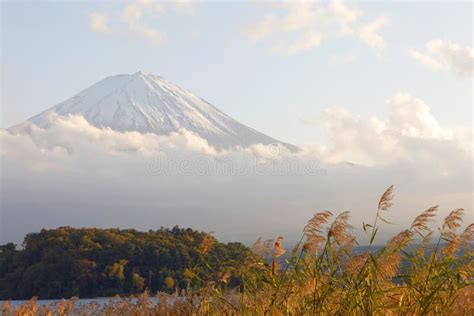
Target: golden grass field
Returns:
[420, 271]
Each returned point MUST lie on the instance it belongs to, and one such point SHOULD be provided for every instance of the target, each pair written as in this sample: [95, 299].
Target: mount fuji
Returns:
[147, 103]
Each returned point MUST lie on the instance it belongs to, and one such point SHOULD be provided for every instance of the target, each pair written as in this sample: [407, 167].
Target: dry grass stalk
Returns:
[420, 224]
[225, 277]
[389, 265]
[467, 235]
[340, 229]
[453, 245]
[424, 244]
[385, 201]
[400, 240]
[313, 231]
[278, 250]
[207, 243]
[356, 262]
[454, 220]
[449, 232]
[263, 249]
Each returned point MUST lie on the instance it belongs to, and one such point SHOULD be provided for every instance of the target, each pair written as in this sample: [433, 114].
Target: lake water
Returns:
[87, 301]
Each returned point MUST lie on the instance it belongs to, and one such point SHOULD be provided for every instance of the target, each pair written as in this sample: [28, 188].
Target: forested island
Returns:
[91, 262]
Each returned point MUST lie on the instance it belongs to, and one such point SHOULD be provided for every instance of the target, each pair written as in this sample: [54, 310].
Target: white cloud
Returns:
[262, 29]
[425, 60]
[446, 56]
[133, 16]
[71, 136]
[306, 42]
[369, 34]
[99, 23]
[410, 133]
[343, 13]
[299, 26]
[411, 117]
[138, 19]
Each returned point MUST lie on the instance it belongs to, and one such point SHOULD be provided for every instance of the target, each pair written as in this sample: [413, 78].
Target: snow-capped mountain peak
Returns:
[148, 103]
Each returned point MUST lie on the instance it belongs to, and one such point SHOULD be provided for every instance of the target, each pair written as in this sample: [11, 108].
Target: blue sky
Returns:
[49, 53]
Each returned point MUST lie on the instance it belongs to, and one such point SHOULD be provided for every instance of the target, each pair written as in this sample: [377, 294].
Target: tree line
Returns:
[92, 262]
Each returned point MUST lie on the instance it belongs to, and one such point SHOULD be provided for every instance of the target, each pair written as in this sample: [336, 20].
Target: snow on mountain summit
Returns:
[147, 103]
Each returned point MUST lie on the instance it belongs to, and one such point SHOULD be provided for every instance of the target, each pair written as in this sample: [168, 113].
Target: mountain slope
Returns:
[148, 103]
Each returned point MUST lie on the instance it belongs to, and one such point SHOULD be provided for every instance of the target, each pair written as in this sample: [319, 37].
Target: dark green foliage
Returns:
[91, 262]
